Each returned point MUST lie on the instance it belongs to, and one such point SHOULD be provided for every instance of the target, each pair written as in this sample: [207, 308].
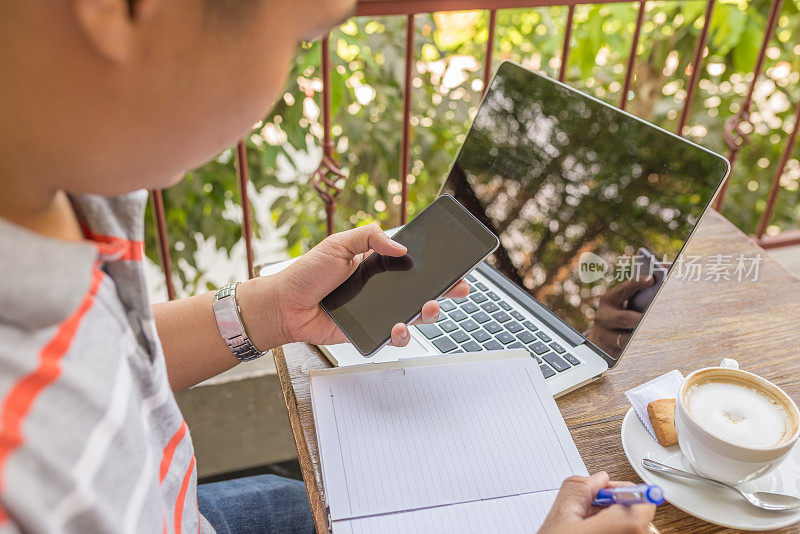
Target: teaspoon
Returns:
[761, 499]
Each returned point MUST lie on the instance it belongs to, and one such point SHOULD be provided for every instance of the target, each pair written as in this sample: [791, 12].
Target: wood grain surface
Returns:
[693, 324]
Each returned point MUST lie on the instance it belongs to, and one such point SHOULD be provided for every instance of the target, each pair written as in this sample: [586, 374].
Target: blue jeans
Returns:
[263, 504]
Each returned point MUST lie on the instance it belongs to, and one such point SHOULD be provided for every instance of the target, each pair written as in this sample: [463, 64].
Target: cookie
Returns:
[662, 417]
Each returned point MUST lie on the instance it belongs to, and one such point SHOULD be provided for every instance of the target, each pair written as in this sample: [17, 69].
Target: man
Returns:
[102, 99]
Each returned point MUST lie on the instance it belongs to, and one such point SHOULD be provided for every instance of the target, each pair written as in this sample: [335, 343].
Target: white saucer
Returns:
[713, 504]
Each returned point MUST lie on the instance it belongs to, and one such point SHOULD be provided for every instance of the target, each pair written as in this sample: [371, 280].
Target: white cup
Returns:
[713, 457]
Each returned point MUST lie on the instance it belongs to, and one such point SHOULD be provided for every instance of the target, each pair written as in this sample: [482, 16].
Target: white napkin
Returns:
[665, 386]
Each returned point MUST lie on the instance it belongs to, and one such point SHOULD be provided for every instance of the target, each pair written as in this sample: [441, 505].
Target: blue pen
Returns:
[627, 495]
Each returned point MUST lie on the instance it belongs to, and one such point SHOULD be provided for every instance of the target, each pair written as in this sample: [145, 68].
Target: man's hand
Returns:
[573, 512]
[613, 323]
[294, 294]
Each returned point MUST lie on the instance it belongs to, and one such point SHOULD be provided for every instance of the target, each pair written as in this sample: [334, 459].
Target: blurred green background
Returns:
[367, 85]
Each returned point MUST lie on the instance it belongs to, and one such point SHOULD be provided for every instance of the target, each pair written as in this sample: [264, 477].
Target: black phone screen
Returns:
[444, 243]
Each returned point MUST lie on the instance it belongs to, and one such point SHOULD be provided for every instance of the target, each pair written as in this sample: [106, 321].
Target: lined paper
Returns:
[440, 442]
[519, 514]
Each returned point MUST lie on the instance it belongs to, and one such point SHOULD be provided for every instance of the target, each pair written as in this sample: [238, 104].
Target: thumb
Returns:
[347, 245]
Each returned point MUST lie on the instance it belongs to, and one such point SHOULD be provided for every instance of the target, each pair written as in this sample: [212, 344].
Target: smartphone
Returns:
[642, 299]
[444, 242]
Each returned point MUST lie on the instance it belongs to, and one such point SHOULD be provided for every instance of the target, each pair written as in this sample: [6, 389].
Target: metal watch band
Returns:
[231, 327]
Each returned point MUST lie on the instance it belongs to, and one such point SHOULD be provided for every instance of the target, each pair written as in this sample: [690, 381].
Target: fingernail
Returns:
[404, 334]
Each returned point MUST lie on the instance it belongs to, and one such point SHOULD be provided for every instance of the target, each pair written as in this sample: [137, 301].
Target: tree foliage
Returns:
[367, 88]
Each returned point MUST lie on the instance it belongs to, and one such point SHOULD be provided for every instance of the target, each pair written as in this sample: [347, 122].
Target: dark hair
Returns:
[131, 7]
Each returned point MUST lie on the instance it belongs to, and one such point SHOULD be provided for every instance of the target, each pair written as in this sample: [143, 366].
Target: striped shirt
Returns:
[91, 438]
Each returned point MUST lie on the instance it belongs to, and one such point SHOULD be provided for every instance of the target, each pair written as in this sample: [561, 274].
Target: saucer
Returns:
[710, 503]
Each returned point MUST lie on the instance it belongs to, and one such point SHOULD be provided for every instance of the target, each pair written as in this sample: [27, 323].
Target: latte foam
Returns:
[738, 414]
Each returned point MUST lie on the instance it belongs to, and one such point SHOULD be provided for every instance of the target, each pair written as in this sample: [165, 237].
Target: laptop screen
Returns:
[582, 197]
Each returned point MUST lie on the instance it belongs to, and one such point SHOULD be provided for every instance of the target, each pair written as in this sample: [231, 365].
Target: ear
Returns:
[108, 25]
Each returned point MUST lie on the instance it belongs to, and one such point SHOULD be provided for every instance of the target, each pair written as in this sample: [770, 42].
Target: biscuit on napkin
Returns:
[662, 417]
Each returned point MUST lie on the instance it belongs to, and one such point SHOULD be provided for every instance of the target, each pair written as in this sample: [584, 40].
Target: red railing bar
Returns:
[487, 62]
[325, 60]
[562, 71]
[732, 125]
[697, 65]
[327, 140]
[157, 203]
[327, 188]
[374, 8]
[776, 179]
[244, 178]
[408, 89]
[623, 102]
[786, 238]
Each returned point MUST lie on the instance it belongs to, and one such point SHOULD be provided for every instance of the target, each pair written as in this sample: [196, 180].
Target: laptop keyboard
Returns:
[484, 321]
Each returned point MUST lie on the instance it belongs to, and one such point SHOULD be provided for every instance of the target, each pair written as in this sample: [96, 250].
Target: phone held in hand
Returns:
[444, 242]
[649, 266]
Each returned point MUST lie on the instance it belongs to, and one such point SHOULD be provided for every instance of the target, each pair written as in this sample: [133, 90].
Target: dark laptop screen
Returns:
[575, 189]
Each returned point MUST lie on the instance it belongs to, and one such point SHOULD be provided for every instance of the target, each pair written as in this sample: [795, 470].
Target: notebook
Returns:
[457, 443]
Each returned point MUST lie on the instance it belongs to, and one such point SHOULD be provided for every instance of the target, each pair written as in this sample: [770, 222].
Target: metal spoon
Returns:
[760, 499]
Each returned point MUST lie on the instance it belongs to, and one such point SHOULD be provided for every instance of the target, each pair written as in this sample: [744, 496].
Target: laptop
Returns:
[577, 192]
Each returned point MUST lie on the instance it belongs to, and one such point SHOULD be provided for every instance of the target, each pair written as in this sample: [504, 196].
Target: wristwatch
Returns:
[229, 322]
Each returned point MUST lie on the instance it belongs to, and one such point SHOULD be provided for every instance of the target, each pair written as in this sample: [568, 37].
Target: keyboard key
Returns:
[493, 327]
[458, 315]
[471, 278]
[429, 330]
[493, 345]
[530, 326]
[526, 337]
[546, 371]
[481, 286]
[481, 335]
[478, 297]
[513, 327]
[538, 347]
[469, 325]
[445, 344]
[556, 347]
[470, 307]
[448, 325]
[447, 305]
[517, 315]
[571, 359]
[481, 317]
[556, 361]
[459, 336]
[492, 295]
[461, 300]
[505, 338]
[544, 337]
[471, 346]
[501, 317]
[505, 305]
[516, 345]
[490, 307]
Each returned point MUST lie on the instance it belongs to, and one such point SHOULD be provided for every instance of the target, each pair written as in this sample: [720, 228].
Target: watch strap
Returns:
[231, 328]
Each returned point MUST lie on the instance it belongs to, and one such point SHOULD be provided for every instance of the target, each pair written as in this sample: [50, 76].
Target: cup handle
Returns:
[729, 363]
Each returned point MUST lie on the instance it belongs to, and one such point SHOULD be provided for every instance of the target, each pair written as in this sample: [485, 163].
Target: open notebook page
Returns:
[416, 438]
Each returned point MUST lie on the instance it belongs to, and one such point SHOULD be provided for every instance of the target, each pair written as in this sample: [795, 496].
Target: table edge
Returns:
[315, 498]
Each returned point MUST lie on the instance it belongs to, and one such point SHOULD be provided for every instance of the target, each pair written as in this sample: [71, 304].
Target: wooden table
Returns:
[693, 324]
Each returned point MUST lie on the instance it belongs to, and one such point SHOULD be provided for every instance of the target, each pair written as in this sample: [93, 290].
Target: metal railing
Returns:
[328, 174]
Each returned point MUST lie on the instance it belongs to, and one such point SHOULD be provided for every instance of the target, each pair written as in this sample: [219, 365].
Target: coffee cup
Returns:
[732, 425]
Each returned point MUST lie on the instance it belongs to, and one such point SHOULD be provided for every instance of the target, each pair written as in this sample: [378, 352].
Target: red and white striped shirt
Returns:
[91, 438]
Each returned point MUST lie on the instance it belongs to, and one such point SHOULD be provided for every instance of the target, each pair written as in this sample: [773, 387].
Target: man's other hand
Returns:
[573, 513]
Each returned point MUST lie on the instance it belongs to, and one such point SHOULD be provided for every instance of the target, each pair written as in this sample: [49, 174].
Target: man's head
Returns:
[108, 96]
